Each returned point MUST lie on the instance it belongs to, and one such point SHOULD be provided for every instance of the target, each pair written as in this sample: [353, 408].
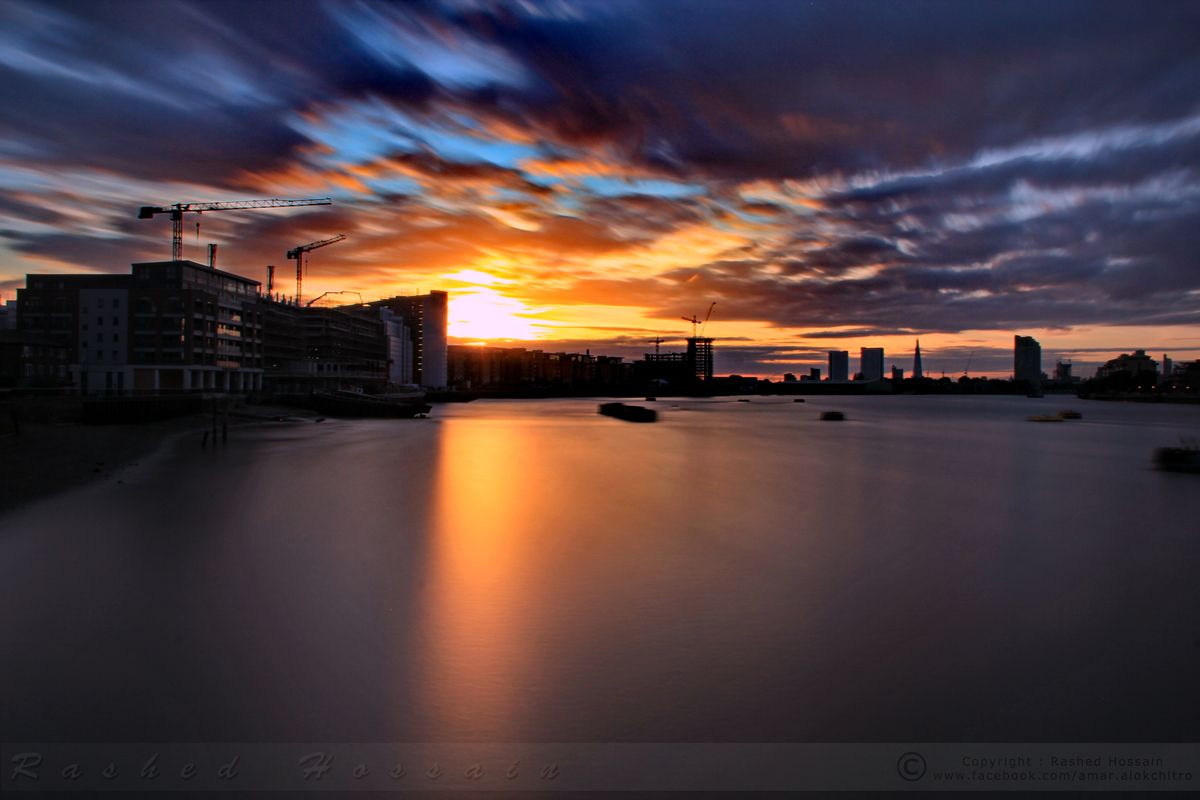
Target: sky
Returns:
[584, 174]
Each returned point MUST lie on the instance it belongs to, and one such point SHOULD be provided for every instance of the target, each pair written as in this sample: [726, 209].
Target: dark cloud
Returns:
[928, 166]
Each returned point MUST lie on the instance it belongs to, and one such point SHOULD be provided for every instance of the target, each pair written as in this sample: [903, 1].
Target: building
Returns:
[400, 364]
[695, 365]
[918, 371]
[320, 348]
[1062, 372]
[1167, 367]
[29, 360]
[476, 367]
[814, 373]
[1133, 364]
[8, 315]
[871, 363]
[700, 357]
[166, 326]
[839, 365]
[426, 316]
[1027, 359]
[897, 374]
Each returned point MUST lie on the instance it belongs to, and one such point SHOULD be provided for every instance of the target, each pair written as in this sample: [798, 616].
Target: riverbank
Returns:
[45, 459]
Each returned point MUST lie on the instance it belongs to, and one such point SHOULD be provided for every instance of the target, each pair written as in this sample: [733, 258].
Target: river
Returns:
[930, 569]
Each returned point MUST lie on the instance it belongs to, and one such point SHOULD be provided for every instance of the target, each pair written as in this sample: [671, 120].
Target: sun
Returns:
[483, 313]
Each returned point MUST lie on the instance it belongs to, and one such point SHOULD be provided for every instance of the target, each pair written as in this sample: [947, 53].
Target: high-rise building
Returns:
[700, 355]
[1027, 359]
[918, 368]
[897, 374]
[1167, 367]
[426, 316]
[839, 365]
[871, 363]
[399, 348]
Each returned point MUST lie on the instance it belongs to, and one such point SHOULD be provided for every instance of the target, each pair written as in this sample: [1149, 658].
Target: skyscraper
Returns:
[839, 365]
[426, 316]
[871, 363]
[1027, 359]
[918, 371]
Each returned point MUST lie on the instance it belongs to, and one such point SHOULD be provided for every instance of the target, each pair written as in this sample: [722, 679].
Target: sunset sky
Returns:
[583, 174]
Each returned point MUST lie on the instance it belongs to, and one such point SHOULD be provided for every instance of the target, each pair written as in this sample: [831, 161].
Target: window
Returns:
[99, 320]
[99, 336]
[116, 320]
[116, 337]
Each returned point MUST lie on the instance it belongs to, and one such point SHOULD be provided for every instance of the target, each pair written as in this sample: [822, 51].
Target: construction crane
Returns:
[967, 370]
[177, 210]
[298, 254]
[696, 322]
[326, 294]
[657, 340]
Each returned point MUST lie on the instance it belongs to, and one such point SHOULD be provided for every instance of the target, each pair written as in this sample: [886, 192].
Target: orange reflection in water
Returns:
[477, 655]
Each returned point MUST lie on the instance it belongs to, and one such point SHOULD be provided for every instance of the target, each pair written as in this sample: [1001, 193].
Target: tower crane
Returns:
[656, 341]
[298, 254]
[696, 322]
[177, 210]
[967, 370]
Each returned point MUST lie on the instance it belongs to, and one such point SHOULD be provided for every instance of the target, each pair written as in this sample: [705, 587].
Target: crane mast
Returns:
[177, 210]
[298, 252]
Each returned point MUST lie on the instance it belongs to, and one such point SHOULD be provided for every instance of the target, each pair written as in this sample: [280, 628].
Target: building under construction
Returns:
[681, 370]
[182, 326]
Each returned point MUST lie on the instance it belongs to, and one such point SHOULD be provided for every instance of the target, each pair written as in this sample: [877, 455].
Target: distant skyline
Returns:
[835, 175]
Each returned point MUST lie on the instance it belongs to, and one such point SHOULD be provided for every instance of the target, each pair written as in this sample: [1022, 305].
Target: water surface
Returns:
[932, 569]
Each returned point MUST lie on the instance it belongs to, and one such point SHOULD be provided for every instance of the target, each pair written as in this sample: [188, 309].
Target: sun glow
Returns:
[483, 313]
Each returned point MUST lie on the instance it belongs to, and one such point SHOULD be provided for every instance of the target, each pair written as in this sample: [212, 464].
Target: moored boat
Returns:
[628, 413]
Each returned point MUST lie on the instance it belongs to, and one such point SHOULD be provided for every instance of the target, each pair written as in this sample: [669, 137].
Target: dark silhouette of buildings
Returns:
[918, 371]
[1133, 364]
[183, 326]
[475, 368]
[871, 363]
[1027, 359]
[839, 365]
[700, 357]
